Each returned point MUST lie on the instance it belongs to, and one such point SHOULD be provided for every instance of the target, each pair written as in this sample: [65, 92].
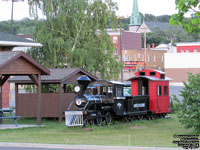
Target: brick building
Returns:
[7, 43]
[135, 60]
[189, 47]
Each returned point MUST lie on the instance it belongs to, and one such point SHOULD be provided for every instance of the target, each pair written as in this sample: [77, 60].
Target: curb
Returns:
[83, 147]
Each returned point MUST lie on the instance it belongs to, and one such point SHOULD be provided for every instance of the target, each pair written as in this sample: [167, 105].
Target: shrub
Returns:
[188, 109]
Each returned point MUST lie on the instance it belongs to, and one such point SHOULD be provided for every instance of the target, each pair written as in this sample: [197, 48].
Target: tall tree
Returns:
[74, 31]
[191, 24]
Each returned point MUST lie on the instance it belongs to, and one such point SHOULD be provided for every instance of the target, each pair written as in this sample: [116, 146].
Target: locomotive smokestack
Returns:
[84, 81]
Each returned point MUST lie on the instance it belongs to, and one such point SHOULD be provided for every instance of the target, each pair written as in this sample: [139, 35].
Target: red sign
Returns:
[134, 63]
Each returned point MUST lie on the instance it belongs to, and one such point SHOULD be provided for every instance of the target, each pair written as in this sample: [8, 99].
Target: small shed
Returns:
[19, 64]
[54, 102]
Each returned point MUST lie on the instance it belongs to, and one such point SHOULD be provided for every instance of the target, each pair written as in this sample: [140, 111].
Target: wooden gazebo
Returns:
[19, 64]
[54, 103]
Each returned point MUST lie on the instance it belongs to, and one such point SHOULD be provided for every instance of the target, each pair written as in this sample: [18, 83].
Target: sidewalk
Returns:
[83, 147]
[12, 126]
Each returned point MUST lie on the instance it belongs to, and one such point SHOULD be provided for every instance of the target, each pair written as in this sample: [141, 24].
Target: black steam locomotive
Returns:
[104, 100]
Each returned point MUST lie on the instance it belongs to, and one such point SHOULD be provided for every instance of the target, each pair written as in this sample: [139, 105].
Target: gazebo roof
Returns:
[56, 76]
[7, 39]
[8, 57]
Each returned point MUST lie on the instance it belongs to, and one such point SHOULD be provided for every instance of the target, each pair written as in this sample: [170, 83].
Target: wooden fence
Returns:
[26, 104]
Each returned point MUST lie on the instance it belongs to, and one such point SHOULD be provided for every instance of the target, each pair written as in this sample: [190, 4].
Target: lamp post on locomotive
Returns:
[105, 100]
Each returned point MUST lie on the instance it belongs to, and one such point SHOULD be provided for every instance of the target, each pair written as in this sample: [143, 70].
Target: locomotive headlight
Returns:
[78, 102]
[77, 89]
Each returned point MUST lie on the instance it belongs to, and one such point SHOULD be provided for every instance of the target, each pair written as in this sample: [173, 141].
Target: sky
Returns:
[155, 7]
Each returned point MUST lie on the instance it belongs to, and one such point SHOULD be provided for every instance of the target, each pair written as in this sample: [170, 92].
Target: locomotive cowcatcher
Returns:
[105, 100]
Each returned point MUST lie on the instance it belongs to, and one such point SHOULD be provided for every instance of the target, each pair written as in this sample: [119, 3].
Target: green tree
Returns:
[191, 24]
[164, 18]
[188, 109]
[150, 17]
[74, 34]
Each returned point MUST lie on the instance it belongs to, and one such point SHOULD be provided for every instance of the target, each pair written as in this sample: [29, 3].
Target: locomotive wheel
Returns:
[85, 123]
[148, 117]
[99, 119]
[108, 118]
[91, 122]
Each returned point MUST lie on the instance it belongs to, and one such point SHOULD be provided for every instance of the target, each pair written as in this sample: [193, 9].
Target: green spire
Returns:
[135, 19]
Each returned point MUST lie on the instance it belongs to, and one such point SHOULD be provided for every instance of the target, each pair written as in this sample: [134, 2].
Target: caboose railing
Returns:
[73, 118]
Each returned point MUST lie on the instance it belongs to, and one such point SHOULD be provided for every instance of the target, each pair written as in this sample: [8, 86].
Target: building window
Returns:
[126, 57]
[187, 51]
[162, 59]
[182, 51]
[154, 58]
[106, 50]
[142, 57]
[159, 93]
[135, 58]
[116, 50]
[166, 93]
[115, 39]
[148, 58]
[195, 51]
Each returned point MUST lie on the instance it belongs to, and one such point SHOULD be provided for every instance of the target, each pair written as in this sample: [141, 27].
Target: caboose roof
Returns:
[105, 82]
[150, 78]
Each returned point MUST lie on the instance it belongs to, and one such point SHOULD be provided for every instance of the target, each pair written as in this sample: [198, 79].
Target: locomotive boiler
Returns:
[105, 100]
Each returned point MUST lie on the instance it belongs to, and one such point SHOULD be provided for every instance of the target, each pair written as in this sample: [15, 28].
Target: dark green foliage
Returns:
[173, 34]
[188, 109]
[24, 26]
[190, 24]
[74, 35]
[152, 18]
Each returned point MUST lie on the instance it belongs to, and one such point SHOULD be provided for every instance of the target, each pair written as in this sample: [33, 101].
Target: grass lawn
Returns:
[137, 133]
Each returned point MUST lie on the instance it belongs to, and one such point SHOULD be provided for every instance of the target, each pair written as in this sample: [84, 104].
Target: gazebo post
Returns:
[16, 99]
[60, 102]
[39, 108]
[65, 88]
[2, 81]
[1, 121]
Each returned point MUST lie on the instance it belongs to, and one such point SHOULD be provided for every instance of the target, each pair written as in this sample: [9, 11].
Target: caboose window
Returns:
[142, 73]
[162, 76]
[166, 90]
[152, 74]
[159, 93]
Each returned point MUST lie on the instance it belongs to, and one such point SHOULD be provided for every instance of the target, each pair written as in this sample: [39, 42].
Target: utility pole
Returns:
[145, 49]
[121, 48]
[11, 26]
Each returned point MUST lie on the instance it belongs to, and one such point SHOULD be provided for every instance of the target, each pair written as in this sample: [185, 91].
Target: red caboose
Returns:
[154, 84]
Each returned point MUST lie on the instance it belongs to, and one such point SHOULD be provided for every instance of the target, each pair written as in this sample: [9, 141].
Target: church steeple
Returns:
[135, 19]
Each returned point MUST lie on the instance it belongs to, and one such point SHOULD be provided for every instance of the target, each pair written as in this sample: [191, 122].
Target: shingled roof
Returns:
[7, 57]
[7, 39]
[56, 76]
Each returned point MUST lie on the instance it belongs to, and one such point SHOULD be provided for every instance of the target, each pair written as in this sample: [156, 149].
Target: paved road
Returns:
[31, 148]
